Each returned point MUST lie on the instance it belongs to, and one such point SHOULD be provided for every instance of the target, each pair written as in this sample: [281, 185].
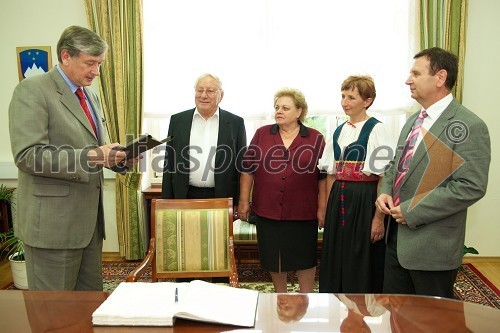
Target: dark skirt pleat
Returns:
[295, 242]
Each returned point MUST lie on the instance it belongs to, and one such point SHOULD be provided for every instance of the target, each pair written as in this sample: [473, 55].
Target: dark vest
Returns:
[348, 166]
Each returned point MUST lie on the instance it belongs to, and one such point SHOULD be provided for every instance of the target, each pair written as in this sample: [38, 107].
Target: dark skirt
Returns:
[294, 242]
[350, 263]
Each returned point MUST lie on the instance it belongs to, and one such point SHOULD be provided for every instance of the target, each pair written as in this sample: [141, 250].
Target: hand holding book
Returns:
[143, 143]
[135, 148]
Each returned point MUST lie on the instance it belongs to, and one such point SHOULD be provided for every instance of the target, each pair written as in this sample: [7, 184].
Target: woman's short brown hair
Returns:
[364, 84]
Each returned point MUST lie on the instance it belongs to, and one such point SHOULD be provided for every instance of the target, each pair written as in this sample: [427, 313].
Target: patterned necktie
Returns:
[407, 155]
[85, 107]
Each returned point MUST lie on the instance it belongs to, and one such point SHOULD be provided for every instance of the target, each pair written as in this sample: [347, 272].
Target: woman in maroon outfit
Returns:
[281, 165]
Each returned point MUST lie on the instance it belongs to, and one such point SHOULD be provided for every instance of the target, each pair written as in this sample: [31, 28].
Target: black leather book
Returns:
[143, 143]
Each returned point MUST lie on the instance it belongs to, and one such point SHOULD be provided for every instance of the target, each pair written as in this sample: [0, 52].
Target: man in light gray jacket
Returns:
[441, 170]
[58, 142]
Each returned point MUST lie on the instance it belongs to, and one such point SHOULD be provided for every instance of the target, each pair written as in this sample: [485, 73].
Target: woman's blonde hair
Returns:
[298, 99]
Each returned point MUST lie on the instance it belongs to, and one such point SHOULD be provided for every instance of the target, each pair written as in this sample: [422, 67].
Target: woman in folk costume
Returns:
[355, 159]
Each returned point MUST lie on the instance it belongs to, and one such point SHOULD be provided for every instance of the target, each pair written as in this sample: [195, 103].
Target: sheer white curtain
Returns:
[259, 46]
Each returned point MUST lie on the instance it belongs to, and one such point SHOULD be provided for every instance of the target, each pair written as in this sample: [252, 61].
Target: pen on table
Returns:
[176, 295]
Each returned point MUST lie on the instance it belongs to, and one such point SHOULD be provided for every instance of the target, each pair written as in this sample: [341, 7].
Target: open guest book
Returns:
[158, 304]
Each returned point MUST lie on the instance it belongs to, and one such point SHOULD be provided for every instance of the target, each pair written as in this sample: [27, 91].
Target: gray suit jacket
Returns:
[231, 145]
[447, 174]
[59, 196]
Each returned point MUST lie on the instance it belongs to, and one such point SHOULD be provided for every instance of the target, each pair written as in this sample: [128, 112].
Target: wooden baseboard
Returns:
[476, 259]
[112, 256]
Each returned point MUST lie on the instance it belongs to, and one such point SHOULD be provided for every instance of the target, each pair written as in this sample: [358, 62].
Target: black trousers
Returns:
[200, 192]
[399, 280]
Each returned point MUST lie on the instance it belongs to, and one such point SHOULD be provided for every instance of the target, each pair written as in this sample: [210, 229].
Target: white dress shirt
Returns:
[203, 145]
[433, 113]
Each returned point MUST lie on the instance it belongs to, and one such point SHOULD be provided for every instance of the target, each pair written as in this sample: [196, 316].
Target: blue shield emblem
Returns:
[33, 61]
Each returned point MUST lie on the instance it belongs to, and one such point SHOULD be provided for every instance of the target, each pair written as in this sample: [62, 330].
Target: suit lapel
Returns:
[432, 136]
[224, 136]
[185, 123]
[70, 101]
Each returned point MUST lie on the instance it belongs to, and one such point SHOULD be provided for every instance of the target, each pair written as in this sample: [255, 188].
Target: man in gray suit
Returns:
[57, 139]
[204, 158]
[440, 172]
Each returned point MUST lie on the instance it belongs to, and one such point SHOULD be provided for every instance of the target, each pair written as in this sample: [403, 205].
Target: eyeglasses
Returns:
[209, 92]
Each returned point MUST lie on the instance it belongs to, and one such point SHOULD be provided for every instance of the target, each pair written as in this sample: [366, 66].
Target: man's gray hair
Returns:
[219, 82]
[77, 39]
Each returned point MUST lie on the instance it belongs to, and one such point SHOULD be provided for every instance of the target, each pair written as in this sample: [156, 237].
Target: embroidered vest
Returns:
[348, 166]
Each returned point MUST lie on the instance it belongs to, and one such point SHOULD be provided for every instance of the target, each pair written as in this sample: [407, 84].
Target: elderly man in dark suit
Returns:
[58, 142]
[441, 170]
[203, 160]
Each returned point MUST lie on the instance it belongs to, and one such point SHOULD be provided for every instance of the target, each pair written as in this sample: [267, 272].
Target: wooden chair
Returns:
[190, 238]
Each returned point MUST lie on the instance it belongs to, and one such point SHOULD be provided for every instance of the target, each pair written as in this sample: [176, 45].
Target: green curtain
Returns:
[443, 24]
[119, 23]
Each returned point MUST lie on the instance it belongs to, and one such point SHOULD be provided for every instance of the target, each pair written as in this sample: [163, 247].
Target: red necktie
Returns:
[407, 155]
[85, 107]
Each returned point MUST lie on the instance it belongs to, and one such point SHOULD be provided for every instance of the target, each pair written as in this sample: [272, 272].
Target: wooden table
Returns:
[46, 311]
[152, 192]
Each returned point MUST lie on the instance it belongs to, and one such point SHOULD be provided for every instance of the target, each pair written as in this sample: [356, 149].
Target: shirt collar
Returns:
[71, 85]
[358, 124]
[198, 114]
[435, 110]
[303, 129]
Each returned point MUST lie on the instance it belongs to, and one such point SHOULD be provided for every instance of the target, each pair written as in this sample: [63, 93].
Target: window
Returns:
[257, 47]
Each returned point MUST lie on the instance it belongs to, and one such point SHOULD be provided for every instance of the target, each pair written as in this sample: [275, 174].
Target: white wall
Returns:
[36, 23]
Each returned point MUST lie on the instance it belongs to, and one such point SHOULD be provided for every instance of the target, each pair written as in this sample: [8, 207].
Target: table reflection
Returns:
[371, 313]
[424, 314]
[358, 307]
[292, 307]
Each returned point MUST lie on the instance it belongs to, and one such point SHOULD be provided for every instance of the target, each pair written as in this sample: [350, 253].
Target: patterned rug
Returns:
[470, 286]
[250, 276]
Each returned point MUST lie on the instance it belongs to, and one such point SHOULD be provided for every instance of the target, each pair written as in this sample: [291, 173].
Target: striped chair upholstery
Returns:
[190, 238]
